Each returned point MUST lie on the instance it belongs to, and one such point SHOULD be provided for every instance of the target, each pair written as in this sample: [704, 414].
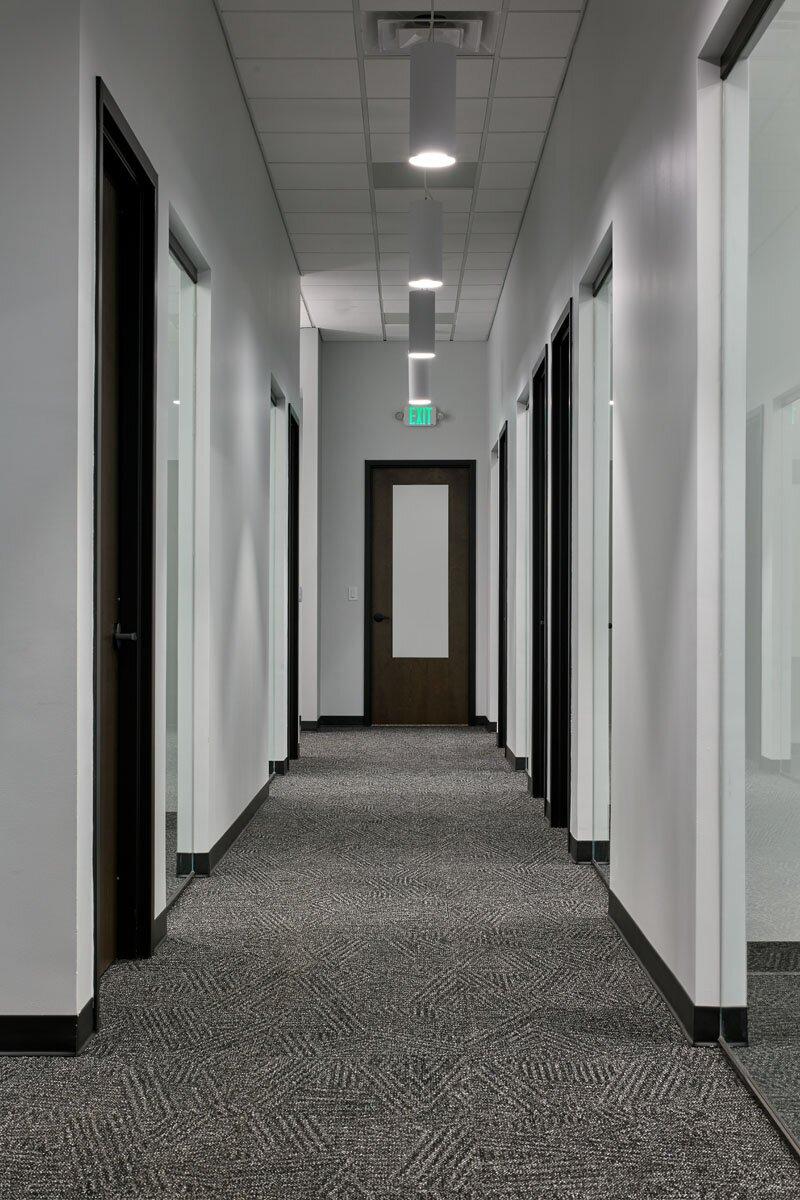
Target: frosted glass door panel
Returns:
[420, 571]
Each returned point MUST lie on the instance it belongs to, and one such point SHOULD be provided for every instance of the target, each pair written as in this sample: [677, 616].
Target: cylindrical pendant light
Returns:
[433, 105]
[419, 381]
[421, 324]
[425, 245]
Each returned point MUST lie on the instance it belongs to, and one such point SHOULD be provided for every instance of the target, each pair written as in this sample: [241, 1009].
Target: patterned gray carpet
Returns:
[396, 986]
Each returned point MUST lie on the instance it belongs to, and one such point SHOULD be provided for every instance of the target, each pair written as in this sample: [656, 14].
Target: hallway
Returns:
[395, 985]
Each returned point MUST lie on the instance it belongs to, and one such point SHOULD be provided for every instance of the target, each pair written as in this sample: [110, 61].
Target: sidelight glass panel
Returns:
[420, 571]
[603, 425]
[762, 116]
[181, 357]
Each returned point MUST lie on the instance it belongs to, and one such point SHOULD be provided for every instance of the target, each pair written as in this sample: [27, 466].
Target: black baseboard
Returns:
[602, 852]
[184, 863]
[46, 1035]
[340, 722]
[204, 864]
[546, 809]
[516, 763]
[700, 1023]
[281, 767]
[733, 1026]
[579, 852]
[158, 930]
[308, 726]
[484, 723]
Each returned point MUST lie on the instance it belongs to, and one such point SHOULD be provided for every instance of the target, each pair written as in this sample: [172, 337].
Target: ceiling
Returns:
[331, 113]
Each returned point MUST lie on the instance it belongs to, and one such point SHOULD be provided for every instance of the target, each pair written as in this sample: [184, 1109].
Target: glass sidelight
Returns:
[181, 360]
[603, 491]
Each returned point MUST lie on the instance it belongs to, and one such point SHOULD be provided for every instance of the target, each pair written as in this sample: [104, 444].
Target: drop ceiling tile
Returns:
[330, 200]
[513, 147]
[309, 116]
[397, 333]
[501, 199]
[322, 261]
[399, 199]
[322, 176]
[484, 278]
[495, 223]
[336, 335]
[414, 6]
[332, 243]
[520, 114]
[400, 278]
[393, 147]
[291, 34]
[469, 335]
[529, 77]
[539, 34]
[283, 78]
[308, 6]
[544, 5]
[322, 222]
[478, 308]
[394, 262]
[397, 222]
[487, 261]
[478, 291]
[351, 291]
[391, 115]
[388, 78]
[394, 294]
[314, 147]
[397, 243]
[507, 175]
[339, 278]
[488, 242]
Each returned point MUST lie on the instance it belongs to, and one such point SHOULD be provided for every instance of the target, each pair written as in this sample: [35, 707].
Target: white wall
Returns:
[363, 385]
[622, 156]
[168, 68]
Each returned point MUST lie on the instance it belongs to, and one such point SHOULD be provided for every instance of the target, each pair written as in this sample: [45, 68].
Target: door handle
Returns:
[378, 617]
[120, 637]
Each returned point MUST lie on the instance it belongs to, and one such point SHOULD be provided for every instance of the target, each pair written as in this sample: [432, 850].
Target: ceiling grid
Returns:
[330, 107]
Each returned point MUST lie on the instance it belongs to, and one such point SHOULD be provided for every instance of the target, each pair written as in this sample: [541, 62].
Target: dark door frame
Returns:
[539, 524]
[560, 748]
[370, 466]
[293, 590]
[502, 588]
[136, 925]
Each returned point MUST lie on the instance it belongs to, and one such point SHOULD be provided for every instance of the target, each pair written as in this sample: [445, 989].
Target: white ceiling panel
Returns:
[322, 176]
[291, 34]
[511, 115]
[314, 147]
[513, 147]
[529, 76]
[539, 34]
[309, 96]
[343, 200]
[507, 175]
[309, 116]
[391, 115]
[322, 222]
[501, 199]
[393, 147]
[284, 78]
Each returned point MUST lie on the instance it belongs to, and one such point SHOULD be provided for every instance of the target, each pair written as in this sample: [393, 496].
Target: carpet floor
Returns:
[396, 986]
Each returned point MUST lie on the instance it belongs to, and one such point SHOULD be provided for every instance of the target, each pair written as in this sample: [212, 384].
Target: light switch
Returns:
[352, 593]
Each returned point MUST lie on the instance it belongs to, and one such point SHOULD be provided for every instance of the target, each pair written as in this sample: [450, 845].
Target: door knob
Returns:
[120, 637]
[378, 617]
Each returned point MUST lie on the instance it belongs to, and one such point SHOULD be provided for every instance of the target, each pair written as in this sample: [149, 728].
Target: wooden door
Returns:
[420, 659]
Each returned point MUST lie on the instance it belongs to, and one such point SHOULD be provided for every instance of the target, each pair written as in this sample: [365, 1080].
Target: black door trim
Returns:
[749, 28]
[293, 590]
[502, 588]
[561, 571]
[370, 466]
[539, 540]
[136, 915]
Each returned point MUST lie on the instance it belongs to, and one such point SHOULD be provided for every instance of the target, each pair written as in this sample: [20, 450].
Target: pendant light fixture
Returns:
[419, 381]
[433, 104]
[421, 324]
[425, 245]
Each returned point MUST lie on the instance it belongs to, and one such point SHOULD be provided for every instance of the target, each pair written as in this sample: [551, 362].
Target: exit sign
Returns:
[421, 415]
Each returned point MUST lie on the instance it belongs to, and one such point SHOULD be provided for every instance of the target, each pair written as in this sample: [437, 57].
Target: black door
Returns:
[561, 575]
[125, 408]
[293, 705]
[502, 587]
[539, 526]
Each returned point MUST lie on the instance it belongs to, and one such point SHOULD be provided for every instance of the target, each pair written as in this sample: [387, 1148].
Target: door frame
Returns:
[502, 588]
[138, 934]
[370, 466]
[293, 586]
[540, 624]
[560, 605]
